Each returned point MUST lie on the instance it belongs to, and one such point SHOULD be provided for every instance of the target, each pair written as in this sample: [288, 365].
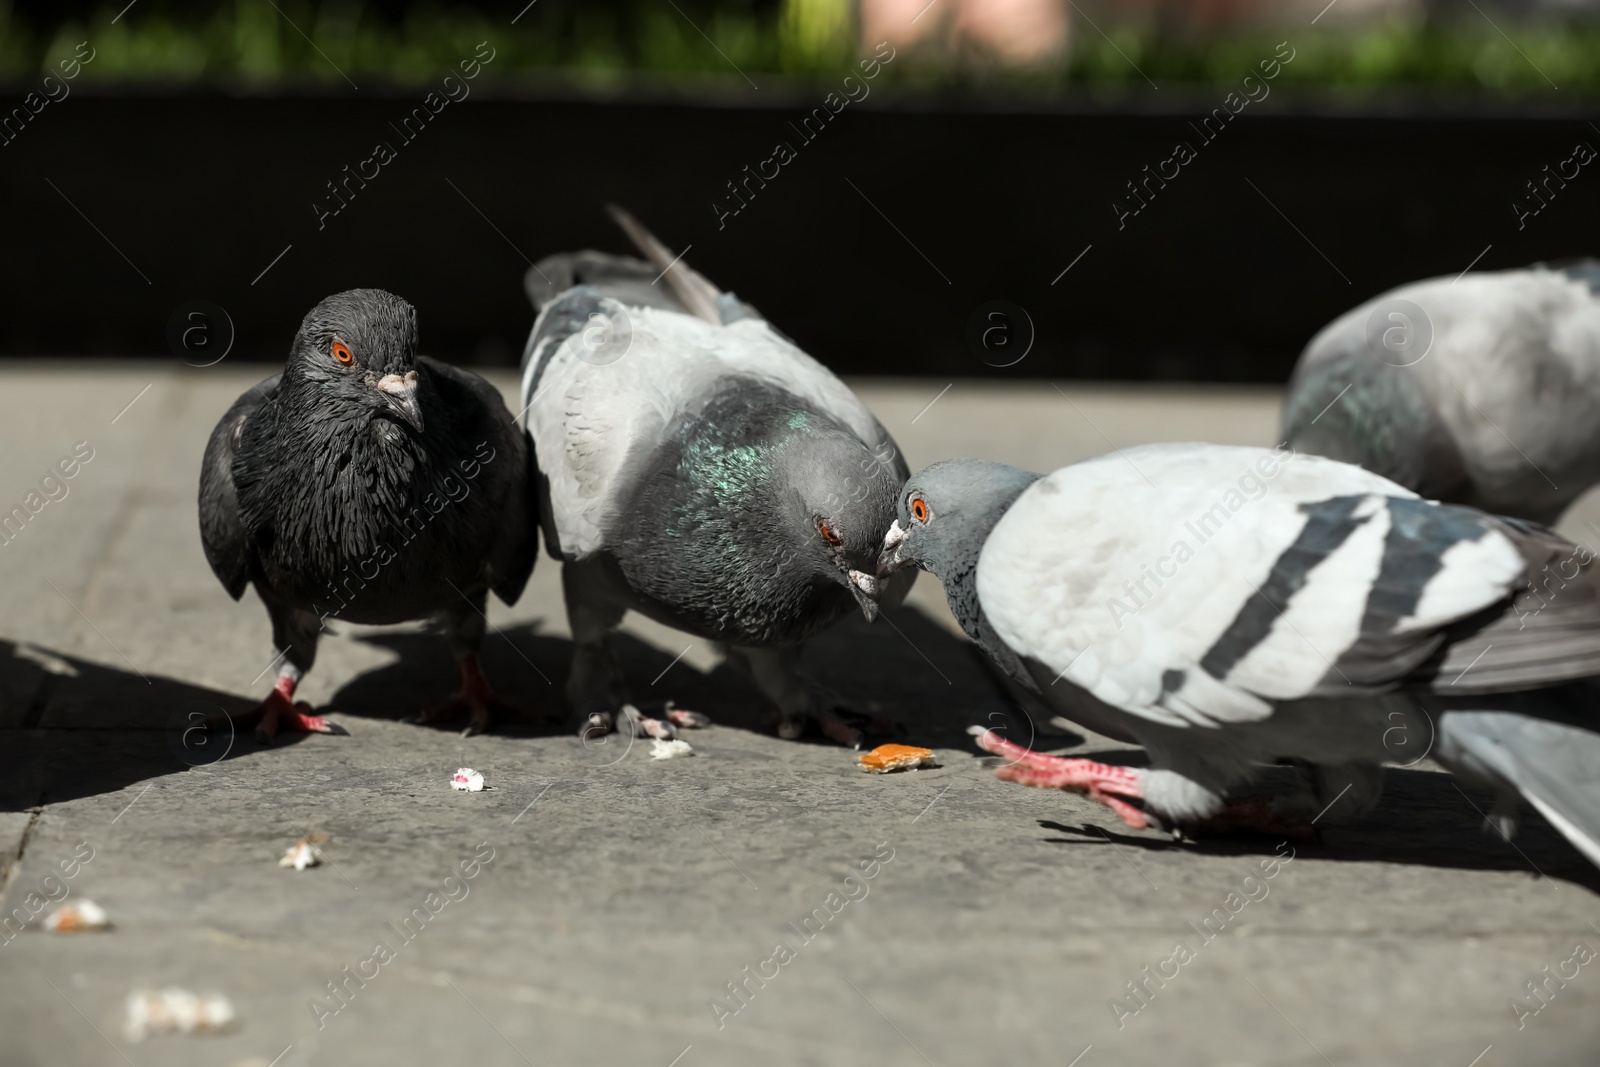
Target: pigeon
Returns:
[694, 465]
[1482, 389]
[1228, 608]
[370, 484]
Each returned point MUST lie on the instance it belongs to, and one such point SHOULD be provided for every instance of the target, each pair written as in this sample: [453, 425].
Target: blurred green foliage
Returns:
[265, 43]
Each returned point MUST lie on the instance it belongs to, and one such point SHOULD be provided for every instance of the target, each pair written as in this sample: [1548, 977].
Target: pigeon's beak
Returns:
[889, 559]
[400, 393]
[865, 588]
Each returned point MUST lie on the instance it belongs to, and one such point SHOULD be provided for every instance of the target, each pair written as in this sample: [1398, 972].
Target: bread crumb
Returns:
[888, 758]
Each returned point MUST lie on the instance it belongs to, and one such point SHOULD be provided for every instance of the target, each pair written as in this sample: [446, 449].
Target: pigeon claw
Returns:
[482, 710]
[689, 720]
[479, 703]
[594, 724]
[641, 725]
[631, 721]
[837, 722]
[276, 715]
[836, 728]
[1101, 782]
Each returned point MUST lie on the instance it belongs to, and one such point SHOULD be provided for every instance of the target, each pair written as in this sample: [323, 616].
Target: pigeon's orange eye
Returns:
[828, 534]
[342, 353]
[919, 510]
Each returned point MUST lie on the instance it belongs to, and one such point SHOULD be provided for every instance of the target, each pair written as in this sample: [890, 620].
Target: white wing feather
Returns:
[1113, 572]
[588, 421]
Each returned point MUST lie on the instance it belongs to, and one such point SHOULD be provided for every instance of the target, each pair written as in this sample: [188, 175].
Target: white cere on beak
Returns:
[888, 558]
[397, 386]
[895, 536]
[864, 582]
[401, 395]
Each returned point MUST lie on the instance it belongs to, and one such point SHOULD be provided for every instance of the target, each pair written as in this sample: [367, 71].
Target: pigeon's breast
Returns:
[747, 606]
[706, 536]
[376, 536]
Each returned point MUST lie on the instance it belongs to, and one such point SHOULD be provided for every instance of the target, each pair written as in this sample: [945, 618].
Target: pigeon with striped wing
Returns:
[1228, 608]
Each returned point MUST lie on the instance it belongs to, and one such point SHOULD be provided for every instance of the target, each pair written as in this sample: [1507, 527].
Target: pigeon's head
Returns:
[360, 348]
[946, 513]
[841, 497]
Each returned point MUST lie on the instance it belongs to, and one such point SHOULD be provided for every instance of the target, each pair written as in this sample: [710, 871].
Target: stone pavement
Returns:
[612, 899]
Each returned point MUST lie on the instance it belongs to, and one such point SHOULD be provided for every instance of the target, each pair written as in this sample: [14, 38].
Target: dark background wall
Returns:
[873, 248]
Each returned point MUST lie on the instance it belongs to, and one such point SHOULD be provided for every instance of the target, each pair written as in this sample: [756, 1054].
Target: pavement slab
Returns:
[759, 901]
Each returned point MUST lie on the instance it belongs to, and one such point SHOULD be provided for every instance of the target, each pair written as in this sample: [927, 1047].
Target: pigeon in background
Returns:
[1482, 389]
[699, 468]
[369, 484]
[1228, 608]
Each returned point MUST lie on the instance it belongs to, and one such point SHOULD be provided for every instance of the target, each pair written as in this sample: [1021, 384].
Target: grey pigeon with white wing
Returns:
[699, 468]
[1482, 389]
[1228, 608]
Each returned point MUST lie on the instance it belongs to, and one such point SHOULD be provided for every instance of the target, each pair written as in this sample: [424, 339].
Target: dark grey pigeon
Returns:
[1482, 389]
[369, 484]
[1229, 608]
[697, 467]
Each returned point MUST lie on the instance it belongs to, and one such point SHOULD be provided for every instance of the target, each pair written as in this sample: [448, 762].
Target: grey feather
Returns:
[222, 534]
[971, 496]
[630, 282]
[718, 528]
[1504, 659]
[697, 295]
[1555, 765]
[711, 475]
[1502, 412]
[1348, 406]
[622, 278]
[1546, 632]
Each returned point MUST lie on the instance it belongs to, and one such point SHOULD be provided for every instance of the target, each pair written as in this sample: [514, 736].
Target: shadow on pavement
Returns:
[70, 728]
[1423, 820]
[911, 671]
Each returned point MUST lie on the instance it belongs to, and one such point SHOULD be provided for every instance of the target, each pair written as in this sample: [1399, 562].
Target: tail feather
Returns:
[1555, 766]
[622, 278]
[692, 289]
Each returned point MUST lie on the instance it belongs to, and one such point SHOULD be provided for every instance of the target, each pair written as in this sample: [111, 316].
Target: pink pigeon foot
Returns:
[476, 700]
[1100, 782]
[836, 728]
[689, 720]
[280, 711]
[648, 725]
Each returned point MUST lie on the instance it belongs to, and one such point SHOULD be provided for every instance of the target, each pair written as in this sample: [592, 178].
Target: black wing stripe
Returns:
[1330, 524]
[1420, 534]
